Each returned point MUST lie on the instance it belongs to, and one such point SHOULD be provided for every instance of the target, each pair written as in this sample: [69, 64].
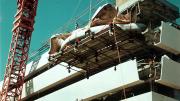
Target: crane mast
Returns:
[19, 47]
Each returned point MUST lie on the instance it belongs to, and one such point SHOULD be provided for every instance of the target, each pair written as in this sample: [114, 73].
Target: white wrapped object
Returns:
[81, 32]
[127, 5]
[97, 29]
[132, 27]
[99, 10]
[78, 33]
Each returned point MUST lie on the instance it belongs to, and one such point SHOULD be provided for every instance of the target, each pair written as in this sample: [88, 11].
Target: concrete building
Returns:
[145, 71]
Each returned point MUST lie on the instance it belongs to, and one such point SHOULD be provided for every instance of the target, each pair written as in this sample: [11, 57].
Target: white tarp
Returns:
[127, 5]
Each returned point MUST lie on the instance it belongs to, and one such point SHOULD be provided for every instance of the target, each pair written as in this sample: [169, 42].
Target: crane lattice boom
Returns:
[19, 47]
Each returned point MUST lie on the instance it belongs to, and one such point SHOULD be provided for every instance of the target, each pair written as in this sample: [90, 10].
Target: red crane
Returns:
[18, 53]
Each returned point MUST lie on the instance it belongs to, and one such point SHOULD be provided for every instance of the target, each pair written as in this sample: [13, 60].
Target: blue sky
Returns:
[51, 16]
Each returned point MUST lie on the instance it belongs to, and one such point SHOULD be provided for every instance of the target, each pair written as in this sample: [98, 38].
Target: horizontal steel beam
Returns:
[38, 71]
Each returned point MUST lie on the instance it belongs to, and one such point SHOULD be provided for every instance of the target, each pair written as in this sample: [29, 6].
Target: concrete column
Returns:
[120, 2]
